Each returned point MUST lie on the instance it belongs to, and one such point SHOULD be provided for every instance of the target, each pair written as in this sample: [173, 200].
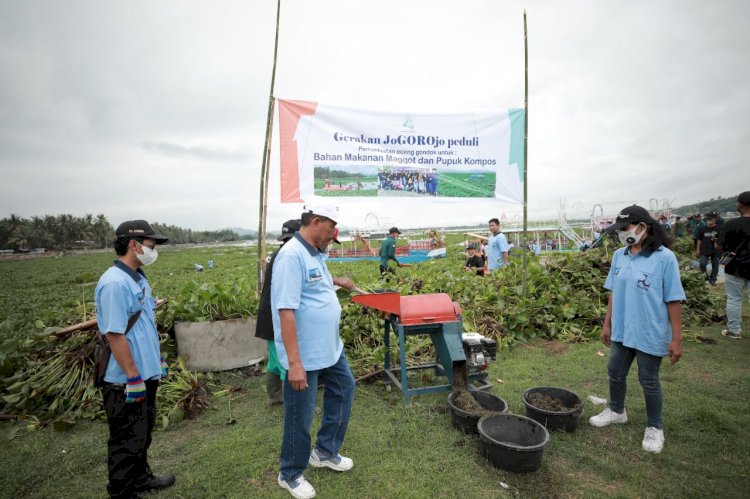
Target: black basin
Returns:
[512, 443]
[467, 421]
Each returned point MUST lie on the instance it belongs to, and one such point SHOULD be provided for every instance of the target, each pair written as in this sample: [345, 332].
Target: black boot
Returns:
[275, 390]
[155, 482]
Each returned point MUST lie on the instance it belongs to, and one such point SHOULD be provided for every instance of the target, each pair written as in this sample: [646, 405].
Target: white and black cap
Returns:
[139, 229]
[631, 215]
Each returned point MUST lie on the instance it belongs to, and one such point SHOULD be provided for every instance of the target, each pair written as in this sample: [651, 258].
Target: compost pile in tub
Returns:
[551, 404]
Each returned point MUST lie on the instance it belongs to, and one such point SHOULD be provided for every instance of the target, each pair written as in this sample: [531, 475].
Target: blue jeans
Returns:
[620, 359]
[299, 407]
[735, 286]
[714, 265]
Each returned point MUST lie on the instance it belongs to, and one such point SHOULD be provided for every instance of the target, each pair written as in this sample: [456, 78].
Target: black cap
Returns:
[289, 228]
[139, 229]
[713, 214]
[394, 229]
[631, 215]
[744, 198]
[472, 246]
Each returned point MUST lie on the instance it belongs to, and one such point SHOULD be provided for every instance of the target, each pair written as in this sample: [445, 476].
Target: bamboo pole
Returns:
[82, 326]
[525, 150]
[264, 167]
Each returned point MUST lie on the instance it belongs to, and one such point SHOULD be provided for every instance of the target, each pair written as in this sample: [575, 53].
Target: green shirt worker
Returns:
[388, 251]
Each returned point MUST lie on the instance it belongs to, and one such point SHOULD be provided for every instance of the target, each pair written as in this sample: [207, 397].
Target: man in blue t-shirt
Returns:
[497, 251]
[125, 313]
[306, 314]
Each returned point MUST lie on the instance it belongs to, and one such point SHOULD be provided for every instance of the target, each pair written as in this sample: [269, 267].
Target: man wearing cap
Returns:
[388, 251]
[734, 239]
[125, 313]
[706, 249]
[275, 374]
[306, 314]
[497, 255]
[474, 262]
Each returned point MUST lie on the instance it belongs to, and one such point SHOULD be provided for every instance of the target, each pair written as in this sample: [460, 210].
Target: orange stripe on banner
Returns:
[290, 113]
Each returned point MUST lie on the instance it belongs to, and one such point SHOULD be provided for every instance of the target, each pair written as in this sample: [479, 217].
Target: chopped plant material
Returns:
[464, 400]
[547, 403]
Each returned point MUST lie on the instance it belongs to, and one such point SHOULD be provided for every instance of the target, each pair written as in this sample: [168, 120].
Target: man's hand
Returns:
[135, 390]
[675, 351]
[164, 368]
[606, 335]
[297, 376]
[344, 282]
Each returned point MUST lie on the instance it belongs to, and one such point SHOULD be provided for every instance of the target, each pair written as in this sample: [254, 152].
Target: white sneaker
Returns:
[653, 440]
[299, 488]
[608, 417]
[337, 463]
[728, 334]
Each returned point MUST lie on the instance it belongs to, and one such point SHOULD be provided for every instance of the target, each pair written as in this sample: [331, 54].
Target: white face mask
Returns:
[629, 237]
[149, 255]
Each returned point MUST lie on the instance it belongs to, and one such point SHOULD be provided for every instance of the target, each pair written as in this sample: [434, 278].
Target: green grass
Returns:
[399, 452]
[458, 185]
[49, 288]
[415, 452]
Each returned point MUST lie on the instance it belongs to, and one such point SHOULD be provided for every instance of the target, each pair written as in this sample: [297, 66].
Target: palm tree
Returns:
[103, 231]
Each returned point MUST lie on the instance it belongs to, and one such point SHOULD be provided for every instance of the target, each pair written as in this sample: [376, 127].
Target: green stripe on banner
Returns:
[517, 125]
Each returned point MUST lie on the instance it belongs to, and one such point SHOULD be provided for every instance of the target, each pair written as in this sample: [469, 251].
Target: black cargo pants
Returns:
[130, 427]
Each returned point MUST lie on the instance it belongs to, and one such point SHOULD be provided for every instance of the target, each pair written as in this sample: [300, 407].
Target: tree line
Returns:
[719, 205]
[65, 232]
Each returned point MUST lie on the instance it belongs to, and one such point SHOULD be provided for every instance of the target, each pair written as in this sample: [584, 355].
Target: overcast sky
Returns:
[157, 109]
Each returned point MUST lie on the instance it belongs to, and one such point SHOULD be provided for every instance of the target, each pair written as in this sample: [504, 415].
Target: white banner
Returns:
[334, 152]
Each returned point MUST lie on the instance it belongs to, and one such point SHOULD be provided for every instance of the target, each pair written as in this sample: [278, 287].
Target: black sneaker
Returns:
[156, 482]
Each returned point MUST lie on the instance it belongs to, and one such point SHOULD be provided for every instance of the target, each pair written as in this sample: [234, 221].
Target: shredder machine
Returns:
[461, 357]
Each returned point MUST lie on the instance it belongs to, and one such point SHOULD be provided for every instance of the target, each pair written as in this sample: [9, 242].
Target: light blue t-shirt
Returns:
[117, 298]
[301, 282]
[497, 245]
[641, 286]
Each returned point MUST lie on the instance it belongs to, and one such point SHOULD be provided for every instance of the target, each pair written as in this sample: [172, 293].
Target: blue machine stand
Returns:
[449, 355]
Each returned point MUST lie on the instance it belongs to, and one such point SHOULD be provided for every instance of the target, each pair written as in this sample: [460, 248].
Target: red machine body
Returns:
[415, 309]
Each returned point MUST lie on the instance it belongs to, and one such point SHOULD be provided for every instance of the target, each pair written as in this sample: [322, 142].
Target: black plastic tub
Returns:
[466, 421]
[512, 443]
[555, 420]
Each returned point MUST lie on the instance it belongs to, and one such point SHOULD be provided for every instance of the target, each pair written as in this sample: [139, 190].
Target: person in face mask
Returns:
[125, 313]
[643, 318]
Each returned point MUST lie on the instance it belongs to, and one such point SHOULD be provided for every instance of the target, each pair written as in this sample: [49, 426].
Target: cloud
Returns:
[202, 152]
[628, 100]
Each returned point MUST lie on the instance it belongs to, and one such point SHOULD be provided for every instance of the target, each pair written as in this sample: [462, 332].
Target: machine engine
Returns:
[479, 350]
